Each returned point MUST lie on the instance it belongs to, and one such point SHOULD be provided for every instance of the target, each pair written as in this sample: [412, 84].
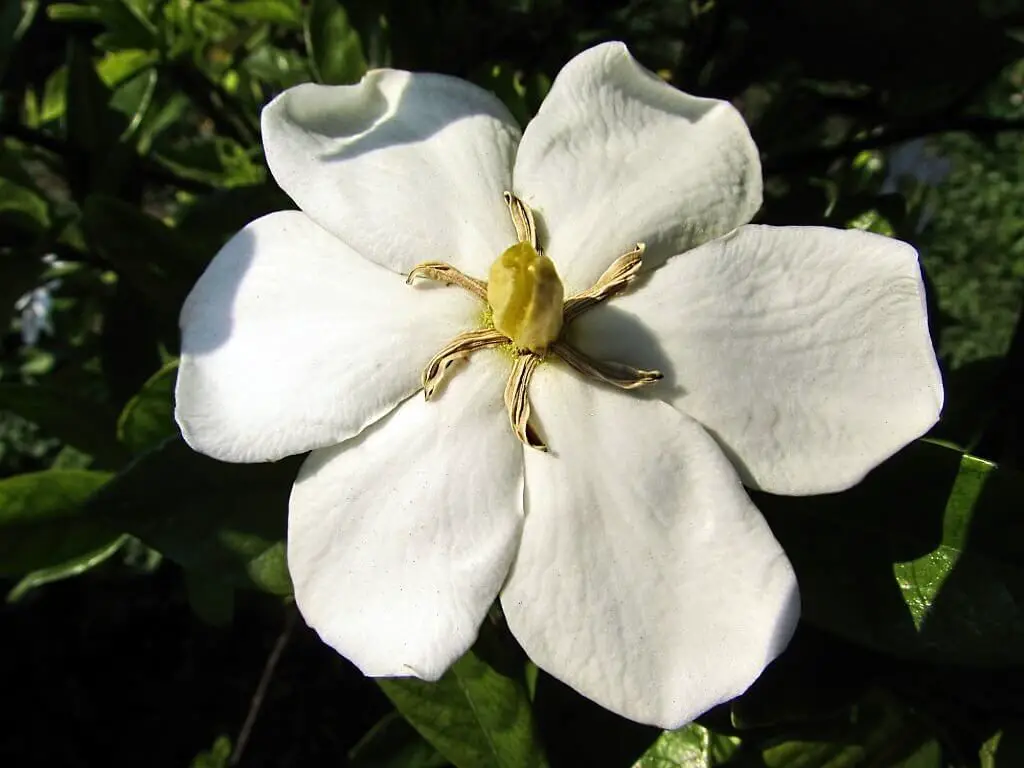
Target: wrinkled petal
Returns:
[403, 167]
[616, 156]
[645, 579]
[805, 350]
[291, 341]
[399, 540]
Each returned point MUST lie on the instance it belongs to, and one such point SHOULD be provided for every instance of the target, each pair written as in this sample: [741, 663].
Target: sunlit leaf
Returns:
[76, 566]
[335, 50]
[929, 570]
[148, 418]
[476, 715]
[691, 746]
[43, 521]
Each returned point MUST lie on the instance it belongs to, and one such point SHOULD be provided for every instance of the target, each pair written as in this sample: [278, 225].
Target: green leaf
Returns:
[225, 521]
[23, 208]
[285, 12]
[335, 51]
[924, 559]
[476, 715]
[393, 743]
[78, 421]
[878, 733]
[76, 566]
[211, 599]
[691, 746]
[43, 521]
[217, 757]
[15, 19]
[148, 418]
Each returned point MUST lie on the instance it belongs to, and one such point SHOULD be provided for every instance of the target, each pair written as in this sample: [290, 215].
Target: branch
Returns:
[797, 161]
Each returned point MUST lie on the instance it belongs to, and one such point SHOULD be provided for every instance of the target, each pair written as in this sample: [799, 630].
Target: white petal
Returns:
[645, 579]
[399, 540]
[616, 156]
[292, 341]
[403, 167]
[805, 350]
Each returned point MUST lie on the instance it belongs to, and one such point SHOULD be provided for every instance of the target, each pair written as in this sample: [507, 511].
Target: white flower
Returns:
[628, 559]
[35, 308]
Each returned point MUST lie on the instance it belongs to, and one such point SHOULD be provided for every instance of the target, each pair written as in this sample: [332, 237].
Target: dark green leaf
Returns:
[211, 599]
[928, 569]
[878, 733]
[92, 125]
[148, 418]
[147, 253]
[393, 743]
[76, 566]
[285, 12]
[15, 18]
[43, 521]
[335, 51]
[475, 715]
[225, 521]
[83, 423]
[214, 218]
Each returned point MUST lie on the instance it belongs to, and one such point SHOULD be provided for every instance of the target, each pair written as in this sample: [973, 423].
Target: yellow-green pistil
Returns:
[528, 312]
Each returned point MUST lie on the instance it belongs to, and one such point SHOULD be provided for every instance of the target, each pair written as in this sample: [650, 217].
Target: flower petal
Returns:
[292, 341]
[645, 579]
[403, 167]
[616, 156]
[804, 350]
[399, 540]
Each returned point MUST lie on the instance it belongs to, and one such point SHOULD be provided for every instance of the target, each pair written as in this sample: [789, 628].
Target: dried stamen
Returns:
[457, 349]
[517, 399]
[617, 374]
[522, 220]
[449, 275]
[614, 280]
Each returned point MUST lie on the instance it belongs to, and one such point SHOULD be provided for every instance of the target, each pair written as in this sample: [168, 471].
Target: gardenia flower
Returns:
[608, 353]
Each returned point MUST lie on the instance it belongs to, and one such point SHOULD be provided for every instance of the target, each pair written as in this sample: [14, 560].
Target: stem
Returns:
[261, 689]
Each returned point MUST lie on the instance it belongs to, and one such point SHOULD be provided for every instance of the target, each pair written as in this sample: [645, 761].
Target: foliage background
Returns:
[147, 620]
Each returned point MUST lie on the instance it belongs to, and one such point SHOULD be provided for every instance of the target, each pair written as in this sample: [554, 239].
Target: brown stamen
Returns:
[517, 399]
[455, 350]
[449, 275]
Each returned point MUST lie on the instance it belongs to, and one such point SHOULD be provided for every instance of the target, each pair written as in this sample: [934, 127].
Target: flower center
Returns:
[526, 297]
[528, 312]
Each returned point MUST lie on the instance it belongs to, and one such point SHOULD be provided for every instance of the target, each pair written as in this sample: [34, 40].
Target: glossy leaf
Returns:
[76, 566]
[691, 746]
[44, 521]
[335, 51]
[225, 521]
[930, 570]
[476, 715]
[148, 418]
